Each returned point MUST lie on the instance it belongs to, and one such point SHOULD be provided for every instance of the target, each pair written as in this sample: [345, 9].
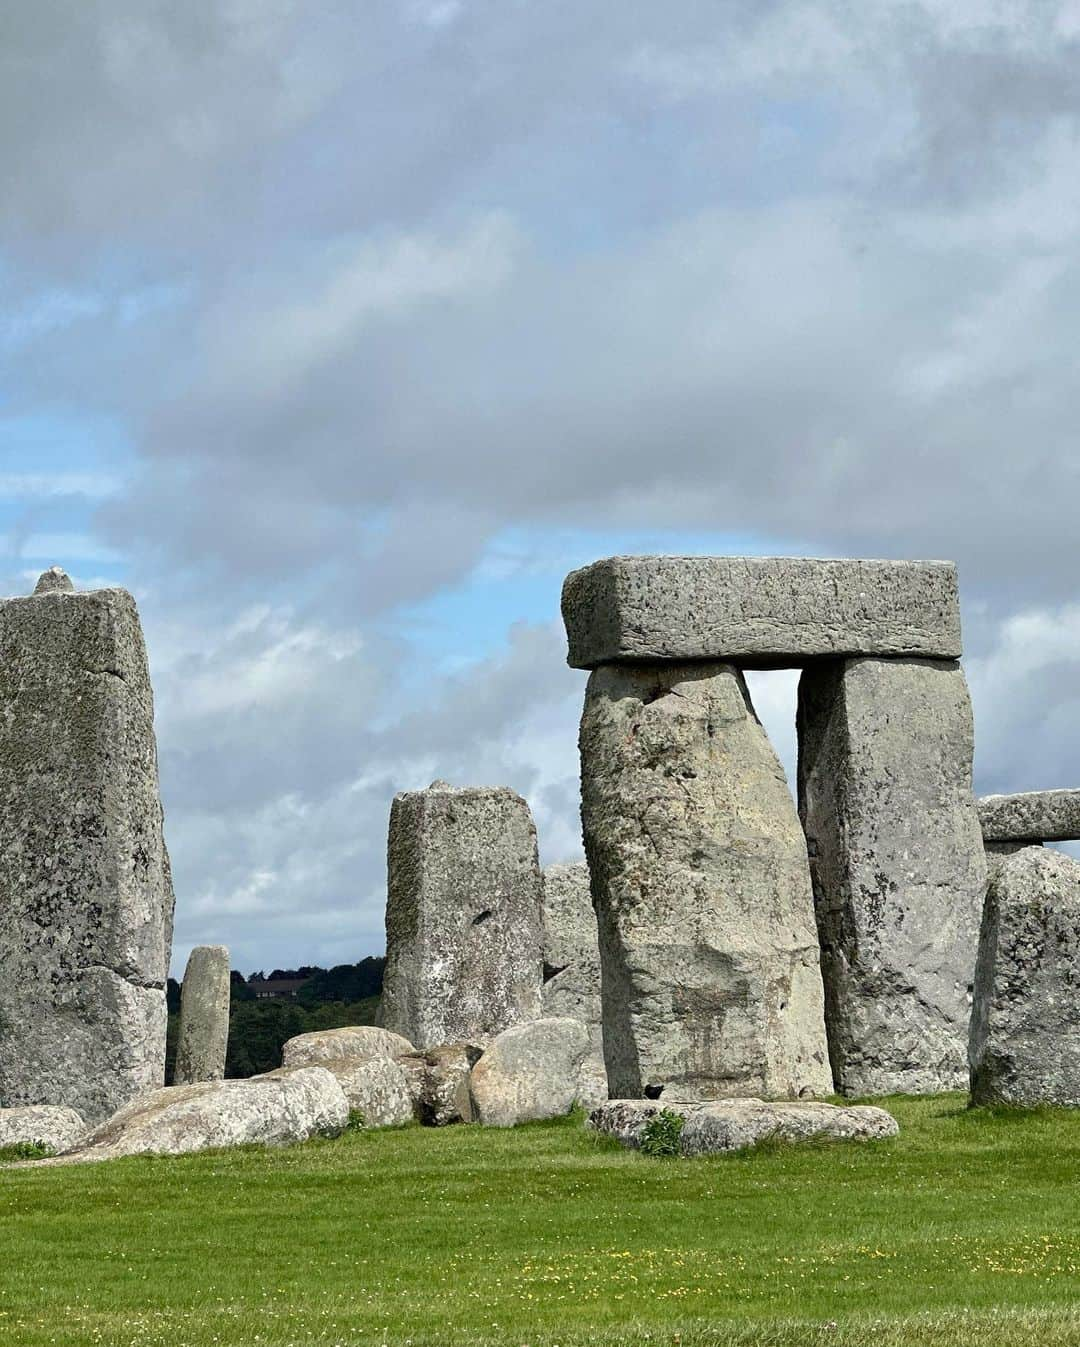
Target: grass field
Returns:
[964, 1230]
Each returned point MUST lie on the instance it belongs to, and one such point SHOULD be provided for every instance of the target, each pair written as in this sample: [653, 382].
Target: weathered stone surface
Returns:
[529, 1071]
[885, 750]
[204, 1016]
[572, 968]
[277, 1109]
[85, 899]
[359, 1041]
[376, 1087]
[1033, 816]
[1025, 1024]
[41, 1124]
[758, 610]
[463, 915]
[439, 1083]
[712, 985]
[52, 580]
[734, 1124]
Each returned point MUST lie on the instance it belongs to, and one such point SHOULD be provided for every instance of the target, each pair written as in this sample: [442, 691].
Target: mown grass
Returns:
[964, 1230]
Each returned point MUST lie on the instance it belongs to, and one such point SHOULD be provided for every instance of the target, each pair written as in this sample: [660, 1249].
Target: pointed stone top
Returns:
[54, 580]
[439, 784]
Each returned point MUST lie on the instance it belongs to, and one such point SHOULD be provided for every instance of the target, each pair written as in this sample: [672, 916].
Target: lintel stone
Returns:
[763, 611]
[1034, 816]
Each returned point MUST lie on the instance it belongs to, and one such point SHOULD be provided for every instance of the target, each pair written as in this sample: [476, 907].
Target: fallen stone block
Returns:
[439, 1083]
[1025, 1023]
[205, 997]
[896, 853]
[1033, 816]
[528, 1072]
[378, 1088]
[48, 1125]
[277, 1109]
[734, 1124]
[712, 980]
[85, 894]
[758, 610]
[354, 1042]
[463, 916]
[572, 968]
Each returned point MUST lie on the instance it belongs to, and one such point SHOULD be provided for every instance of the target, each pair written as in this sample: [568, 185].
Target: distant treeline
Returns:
[329, 999]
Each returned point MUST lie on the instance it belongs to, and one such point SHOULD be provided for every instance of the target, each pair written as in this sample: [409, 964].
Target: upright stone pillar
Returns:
[572, 968]
[464, 928]
[896, 853]
[85, 899]
[204, 1016]
[711, 977]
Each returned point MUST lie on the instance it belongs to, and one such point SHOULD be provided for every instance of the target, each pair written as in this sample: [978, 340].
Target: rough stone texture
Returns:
[529, 1071]
[463, 915]
[41, 1124]
[572, 968]
[439, 1083]
[85, 897]
[204, 1016]
[758, 610]
[1025, 1024]
[712, 984]
[53, 580]
[277, 1109]
[377, 1087]
[734, 1124]
[896, 853]
[355, 1042]
[1034, 816]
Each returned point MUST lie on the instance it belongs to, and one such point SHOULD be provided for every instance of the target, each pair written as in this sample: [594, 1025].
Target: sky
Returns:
[340, 332]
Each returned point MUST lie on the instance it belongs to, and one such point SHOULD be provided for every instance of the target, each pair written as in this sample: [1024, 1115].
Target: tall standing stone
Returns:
[711, 977]
[464, 932]
[572, 968]
[85, 900]
[885, 753]
[204, 1016]
[1025, 1023]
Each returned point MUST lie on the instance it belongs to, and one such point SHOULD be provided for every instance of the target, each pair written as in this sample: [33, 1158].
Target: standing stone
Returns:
[463, 916]
[1025, 1024]
[896, 852]
[711, 976]
[572, 968]
[204, 1016]
[85, 900]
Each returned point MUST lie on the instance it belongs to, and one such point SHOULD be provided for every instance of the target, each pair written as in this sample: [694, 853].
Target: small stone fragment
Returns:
[896, 852]
[529, 1071]
[734, 1124]
[1025, 1024]
[1034, 816]
[758, 610]
[54, 580]
[354, 1042]
[572, 968]
[463, 915]
[41, 1125]
[204, 1016]
[439, 1083]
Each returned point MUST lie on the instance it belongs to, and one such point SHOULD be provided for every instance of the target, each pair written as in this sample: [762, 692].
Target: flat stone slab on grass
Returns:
[734, 1124]
[1033, 816]
[277, 1109]
[49, 1125]
[763, 610]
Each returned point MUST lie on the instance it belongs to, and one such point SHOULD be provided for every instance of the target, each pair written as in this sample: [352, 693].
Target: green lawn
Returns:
[966, 1229]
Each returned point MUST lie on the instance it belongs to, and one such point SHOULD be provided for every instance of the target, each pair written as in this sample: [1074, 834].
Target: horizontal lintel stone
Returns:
[1034, 816]
[759, 610]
